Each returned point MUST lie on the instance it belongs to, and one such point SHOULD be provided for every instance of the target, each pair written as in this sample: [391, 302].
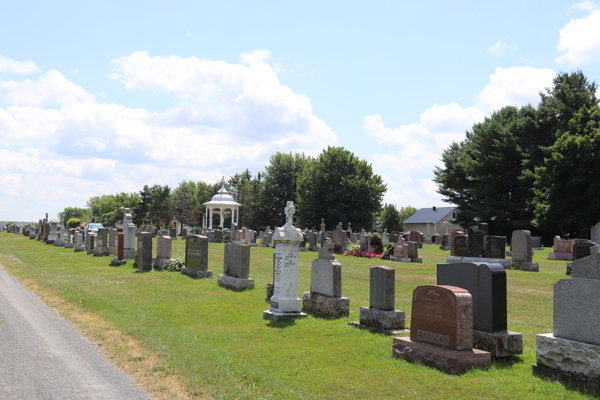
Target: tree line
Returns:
[336, 185]
[533, 168]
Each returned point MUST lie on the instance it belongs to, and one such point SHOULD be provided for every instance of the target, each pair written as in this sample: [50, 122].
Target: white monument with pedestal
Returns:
[285, 304]
[129, 230]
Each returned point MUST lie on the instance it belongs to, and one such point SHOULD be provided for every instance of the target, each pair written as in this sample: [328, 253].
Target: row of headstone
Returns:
[406, 251]
[571, 353]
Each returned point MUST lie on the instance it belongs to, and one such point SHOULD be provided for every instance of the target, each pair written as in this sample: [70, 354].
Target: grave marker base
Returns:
[115, 262]
[275, 316]
[161, 263]
[386, 332]
[560, 256]
[196, 273]
[572, 358]
[445, 247]
[80, 248]
[500, 344]
[385, 320]
[446, 360]
[59, 243]
[324, 306]
[572, 381]
[69, 245]
[526, 266]
[101, 252]
[234, 283]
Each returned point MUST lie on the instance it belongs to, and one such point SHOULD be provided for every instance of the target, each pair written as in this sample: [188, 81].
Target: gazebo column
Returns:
[210, 212]
[221, 224]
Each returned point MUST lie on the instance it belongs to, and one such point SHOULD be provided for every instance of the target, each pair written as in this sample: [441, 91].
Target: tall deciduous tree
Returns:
[568, 188]
[107, 208]
[490, 175]
[339, 187]
[280, 185]
[83, 214]
[185, 204]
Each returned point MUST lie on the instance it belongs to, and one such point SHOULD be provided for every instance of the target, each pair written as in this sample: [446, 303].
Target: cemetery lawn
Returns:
[186, 338]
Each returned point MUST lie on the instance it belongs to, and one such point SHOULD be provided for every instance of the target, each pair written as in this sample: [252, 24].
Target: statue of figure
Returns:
[290, 210]
[322, 224]
[339, 227]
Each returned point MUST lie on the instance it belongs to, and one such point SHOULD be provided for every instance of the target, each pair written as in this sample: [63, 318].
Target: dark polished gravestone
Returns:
[143, 260]
[196, 257]
[581, 248]
[461, 246]
[494, 246]
[476, 232]
[486, 282]
[236, 267]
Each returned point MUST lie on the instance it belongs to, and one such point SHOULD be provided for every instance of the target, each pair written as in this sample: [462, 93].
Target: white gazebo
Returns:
[221, 201]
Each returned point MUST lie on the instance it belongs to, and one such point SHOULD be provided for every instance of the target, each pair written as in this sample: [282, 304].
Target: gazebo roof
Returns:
[222, 198]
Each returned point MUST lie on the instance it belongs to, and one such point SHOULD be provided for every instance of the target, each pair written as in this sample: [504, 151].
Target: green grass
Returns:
[218, 342]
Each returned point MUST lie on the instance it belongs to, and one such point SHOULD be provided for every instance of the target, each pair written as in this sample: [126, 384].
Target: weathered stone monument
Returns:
[522, 252]
[562, 249]
[236, 267]
[79, 242]
[101, 249]
[143, 261]
[454, 235]
[595, 233]
[91, 243]
[487, 285]
[129, 230]
[340, 240]
[196, 257]
[163, 252]
[285, 304]
[52, 232]
[112, 236]
[571, 353]
[381, 315]
[441, 334]
[325, 296]
[401, 251]
[60, 240]
[120, 250]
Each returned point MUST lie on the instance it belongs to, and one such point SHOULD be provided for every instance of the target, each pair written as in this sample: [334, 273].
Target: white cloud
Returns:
[422, 143]
[52, 88]
[580, 38]
[515, 86]
[255, 56]
[499, 48]
[18, 67]
[225, 118]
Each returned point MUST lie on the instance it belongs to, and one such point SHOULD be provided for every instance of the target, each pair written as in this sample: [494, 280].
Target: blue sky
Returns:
[101, 97]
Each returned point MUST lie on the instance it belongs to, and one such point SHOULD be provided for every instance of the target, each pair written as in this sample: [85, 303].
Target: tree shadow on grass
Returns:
[507, 362]
[282, 324]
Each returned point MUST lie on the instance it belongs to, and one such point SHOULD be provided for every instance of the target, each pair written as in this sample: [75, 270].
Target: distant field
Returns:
[215, 343]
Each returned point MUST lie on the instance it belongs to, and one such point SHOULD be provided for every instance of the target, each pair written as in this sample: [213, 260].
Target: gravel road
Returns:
[43, 357]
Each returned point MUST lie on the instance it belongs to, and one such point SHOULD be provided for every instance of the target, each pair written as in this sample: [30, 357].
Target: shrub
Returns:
[388, 251]
[376, 243]
[175, 265]
[73, 222]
